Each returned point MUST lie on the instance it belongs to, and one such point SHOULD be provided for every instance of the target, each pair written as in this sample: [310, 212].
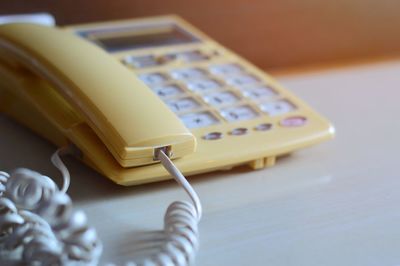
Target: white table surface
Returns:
[337, 203]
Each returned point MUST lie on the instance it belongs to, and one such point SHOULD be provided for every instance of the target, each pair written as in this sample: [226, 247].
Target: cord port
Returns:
[166, 149]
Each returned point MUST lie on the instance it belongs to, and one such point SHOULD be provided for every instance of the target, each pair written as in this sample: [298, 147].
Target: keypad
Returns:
[218, 93]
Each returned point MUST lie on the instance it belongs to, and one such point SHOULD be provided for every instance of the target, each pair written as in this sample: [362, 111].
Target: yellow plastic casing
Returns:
[104, 139]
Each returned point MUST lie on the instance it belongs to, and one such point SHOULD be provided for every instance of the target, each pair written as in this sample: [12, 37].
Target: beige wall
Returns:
[270, 33]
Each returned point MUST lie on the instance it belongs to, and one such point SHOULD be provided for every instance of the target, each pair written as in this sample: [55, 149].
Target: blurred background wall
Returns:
[271, 34]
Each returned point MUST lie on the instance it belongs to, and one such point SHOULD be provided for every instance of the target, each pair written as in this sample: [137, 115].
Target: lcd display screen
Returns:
[128, 38]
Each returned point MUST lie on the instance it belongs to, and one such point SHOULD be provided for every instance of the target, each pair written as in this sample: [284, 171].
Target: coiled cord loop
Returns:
[3, 180]
[39, 226]
[29, 189]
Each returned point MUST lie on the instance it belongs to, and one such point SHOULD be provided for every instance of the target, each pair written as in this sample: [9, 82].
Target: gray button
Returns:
[263, 127]
[192, 56]
[239, 131]
[213, 136]
[141, 61]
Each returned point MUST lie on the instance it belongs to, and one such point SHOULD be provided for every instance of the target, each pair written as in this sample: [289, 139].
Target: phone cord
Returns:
[38, 225]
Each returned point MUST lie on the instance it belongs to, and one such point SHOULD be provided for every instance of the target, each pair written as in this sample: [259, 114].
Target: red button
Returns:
[293, 121]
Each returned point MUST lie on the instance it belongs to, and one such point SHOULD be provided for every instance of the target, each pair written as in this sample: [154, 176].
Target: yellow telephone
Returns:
[121, 90]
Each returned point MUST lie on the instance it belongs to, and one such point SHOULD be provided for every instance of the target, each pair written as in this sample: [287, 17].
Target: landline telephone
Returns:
[122, 91]
[129, 96]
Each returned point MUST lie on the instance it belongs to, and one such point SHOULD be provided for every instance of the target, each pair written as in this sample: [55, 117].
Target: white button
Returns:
[238, 113]
[195, 120]
[203, 85]
[220, 98]
[257, 92]
[188, 73]
[153, 78]
[167, 91]
[185, 104]
[226, 69]
[242, 80]
[277, 108]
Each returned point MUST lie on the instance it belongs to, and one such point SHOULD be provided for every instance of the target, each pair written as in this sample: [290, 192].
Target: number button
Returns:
[153, 78]
[226, 69]
[184, 104]
[257, 92]
[277, 108]
[167, 91]
[203, 85]
[242, 80]
[188, 73]
[195, 120]
[220, 98]
[238, 113]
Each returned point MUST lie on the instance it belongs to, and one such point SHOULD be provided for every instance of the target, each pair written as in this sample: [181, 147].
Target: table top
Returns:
[336, 203]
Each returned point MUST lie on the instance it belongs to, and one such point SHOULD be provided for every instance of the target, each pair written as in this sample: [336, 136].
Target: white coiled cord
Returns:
[38, 225]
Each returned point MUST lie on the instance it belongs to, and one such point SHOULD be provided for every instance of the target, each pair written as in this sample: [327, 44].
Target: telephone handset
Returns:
[120, 91]
[105, 93]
